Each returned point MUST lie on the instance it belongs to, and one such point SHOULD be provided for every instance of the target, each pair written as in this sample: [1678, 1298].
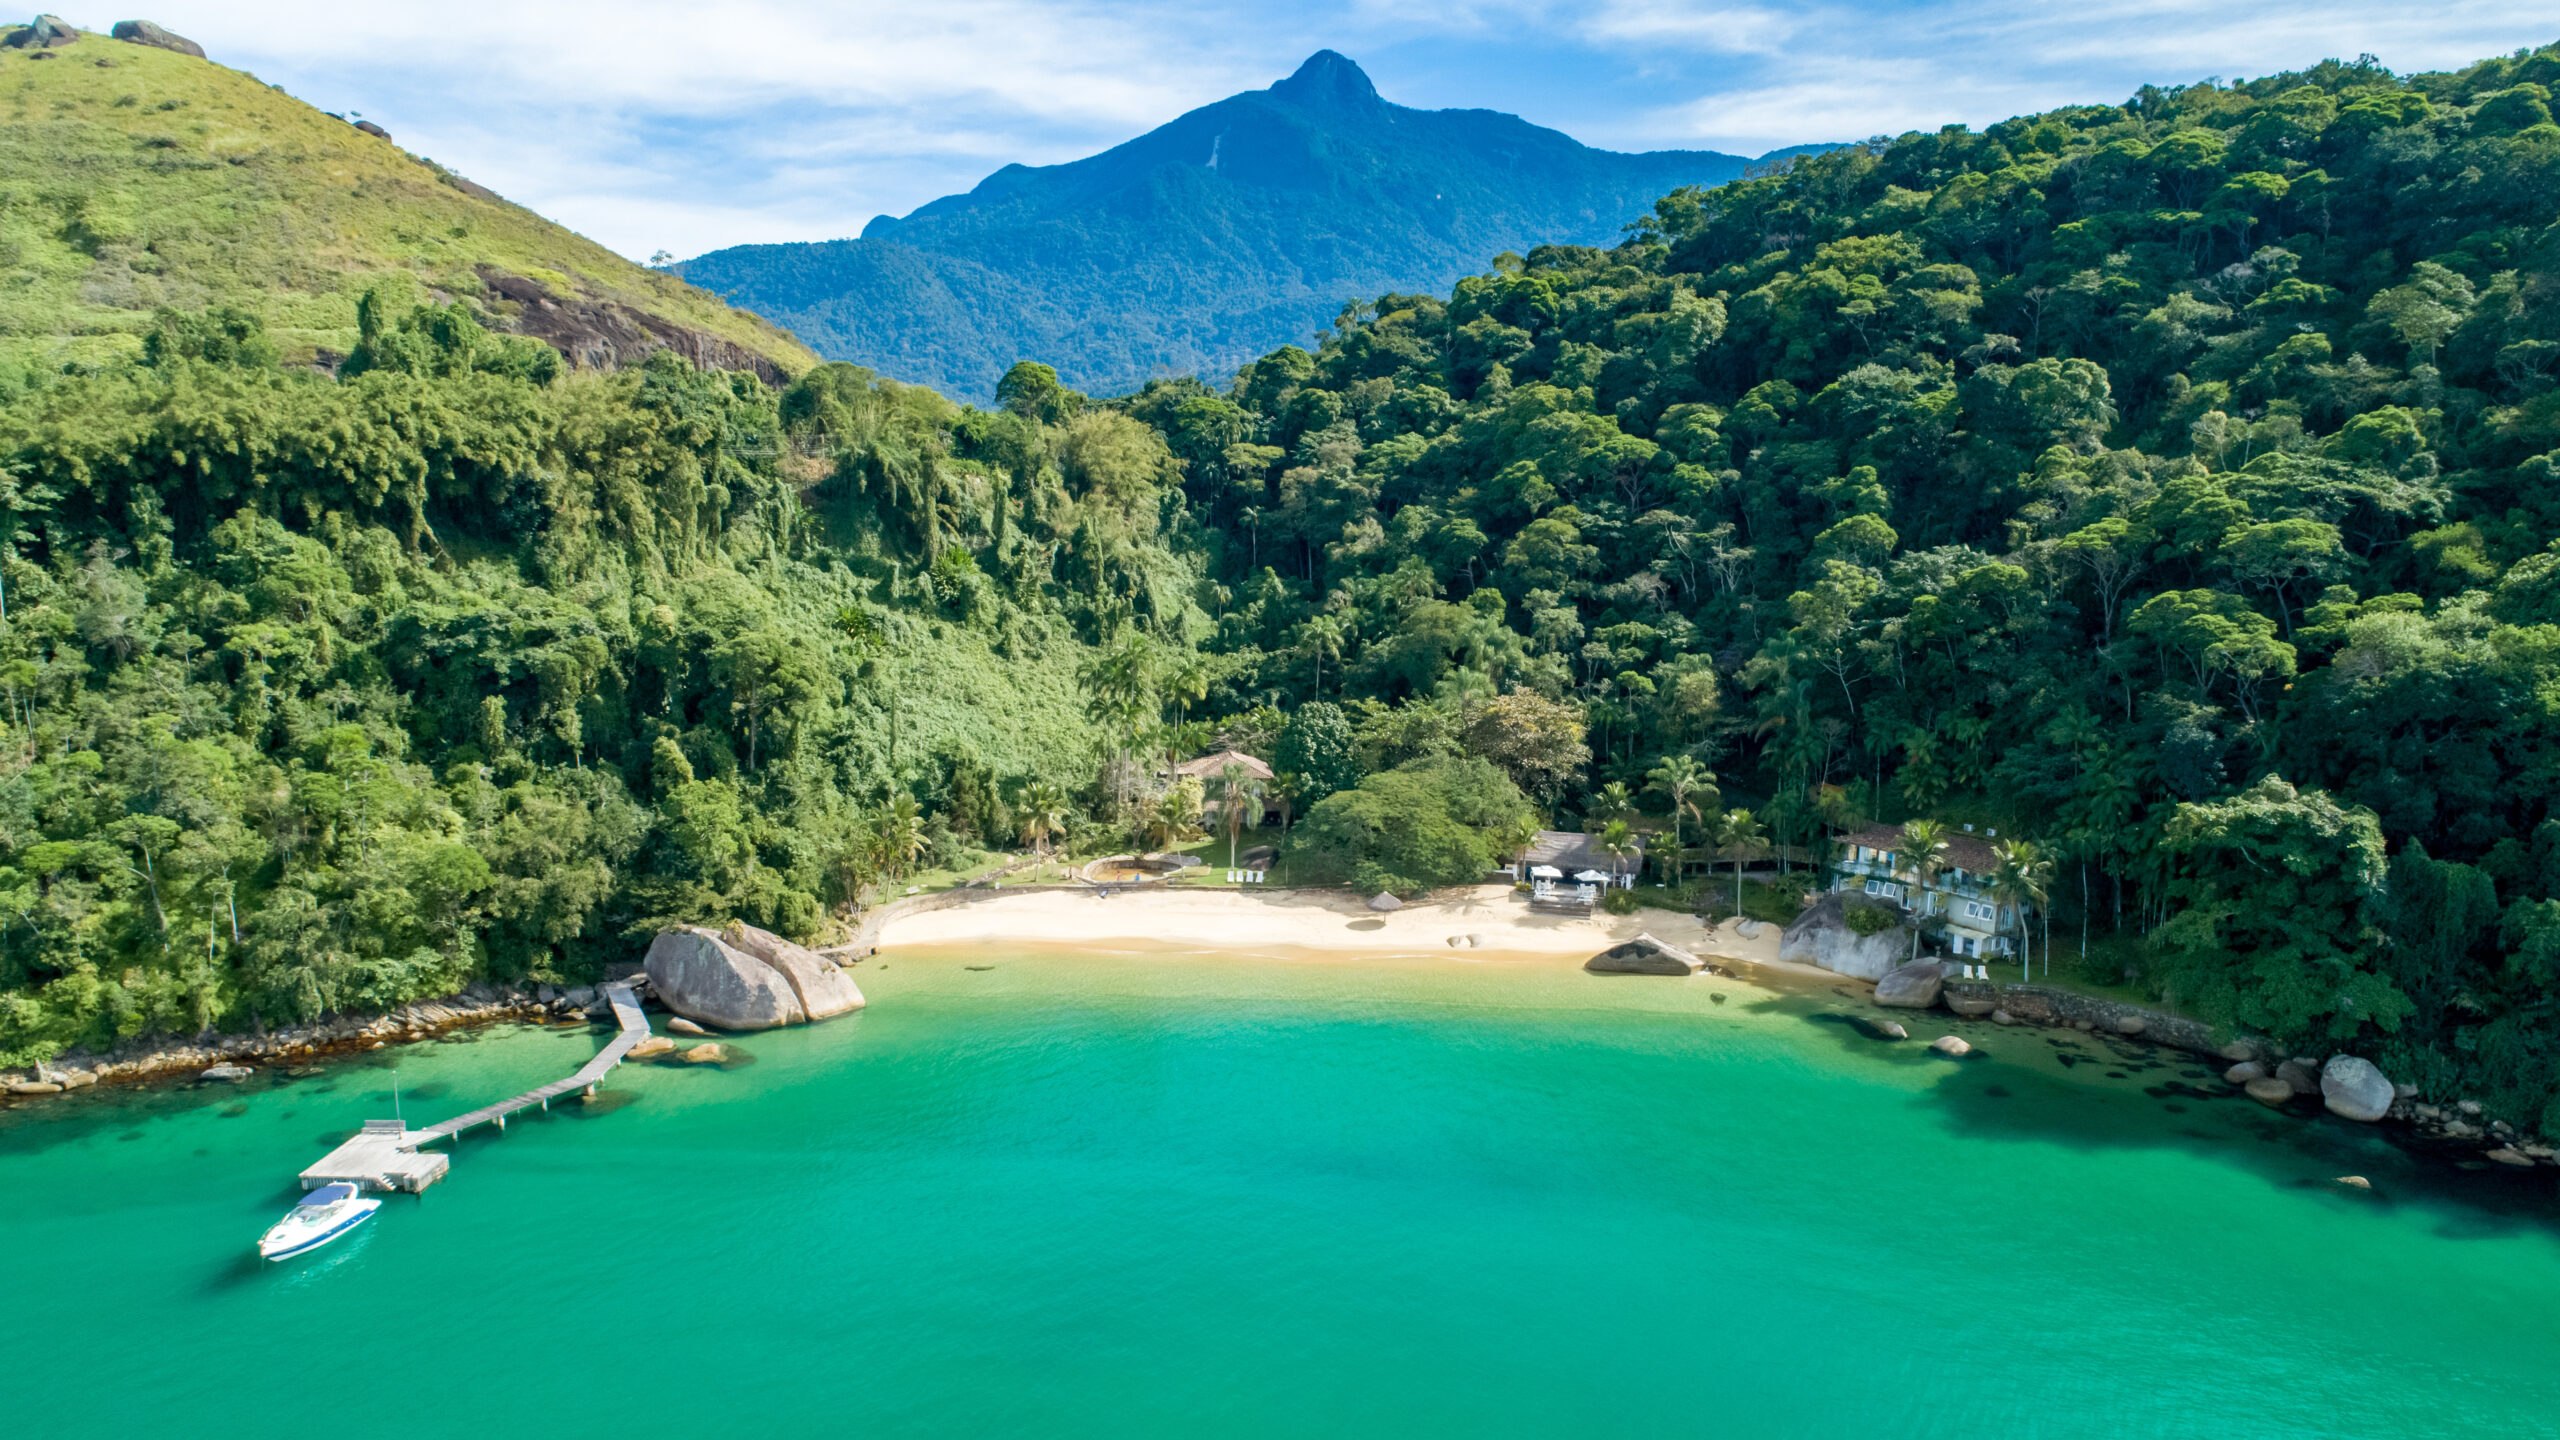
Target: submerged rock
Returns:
[2355, 1182]
[2355, 1089]
[1912, 987]
[2509, 1155]
[707, 1053]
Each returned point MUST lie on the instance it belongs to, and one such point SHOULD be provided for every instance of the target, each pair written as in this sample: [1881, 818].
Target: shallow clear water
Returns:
[1141, 1194]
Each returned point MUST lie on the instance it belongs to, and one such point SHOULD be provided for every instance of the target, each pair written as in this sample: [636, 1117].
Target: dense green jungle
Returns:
[2167, 485]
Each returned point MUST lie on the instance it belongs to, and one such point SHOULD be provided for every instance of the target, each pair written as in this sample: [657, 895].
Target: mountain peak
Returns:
[1328, 78]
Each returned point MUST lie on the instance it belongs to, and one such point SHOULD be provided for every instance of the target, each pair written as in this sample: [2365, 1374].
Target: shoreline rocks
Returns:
[2355, 1089]
[1821, 936]
[1644, 955]
[1912, 987]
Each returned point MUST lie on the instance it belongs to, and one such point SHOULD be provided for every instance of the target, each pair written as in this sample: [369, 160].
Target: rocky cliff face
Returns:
[602, 335]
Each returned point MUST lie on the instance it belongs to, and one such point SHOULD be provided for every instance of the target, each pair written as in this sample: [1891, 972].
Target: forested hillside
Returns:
[2167, 485]
[134, 178]
[2171, 483]
[324, 693]
[1200, 244]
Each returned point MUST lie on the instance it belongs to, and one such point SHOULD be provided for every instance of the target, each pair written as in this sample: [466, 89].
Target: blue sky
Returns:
[654, 125]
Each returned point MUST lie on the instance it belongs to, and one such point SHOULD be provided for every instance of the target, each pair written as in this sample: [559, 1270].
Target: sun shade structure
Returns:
[1545, 872]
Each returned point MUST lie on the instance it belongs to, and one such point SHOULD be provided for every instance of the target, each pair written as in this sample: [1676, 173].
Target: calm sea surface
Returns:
[1161, 1194]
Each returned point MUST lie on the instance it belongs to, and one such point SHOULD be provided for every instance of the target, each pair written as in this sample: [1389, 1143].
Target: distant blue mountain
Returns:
[1239, 227]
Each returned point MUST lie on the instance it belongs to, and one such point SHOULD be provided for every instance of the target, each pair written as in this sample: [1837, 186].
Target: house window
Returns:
[1977, 911]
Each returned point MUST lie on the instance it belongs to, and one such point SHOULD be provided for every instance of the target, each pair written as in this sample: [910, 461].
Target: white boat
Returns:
[325, 1214]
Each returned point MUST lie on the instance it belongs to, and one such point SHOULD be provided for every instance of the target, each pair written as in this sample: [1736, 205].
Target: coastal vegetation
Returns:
[2168, 485]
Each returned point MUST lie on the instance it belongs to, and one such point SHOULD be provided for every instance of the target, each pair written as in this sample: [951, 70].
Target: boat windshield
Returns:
[328, 1195]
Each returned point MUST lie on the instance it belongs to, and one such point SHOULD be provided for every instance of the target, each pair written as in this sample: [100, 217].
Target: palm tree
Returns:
[1044, 813]
[2024, 878]
[1236, 791]
[1321, 638]
[1924, 848]
[1681, 777]
[1286, 787]
[1120, 682]
[1615, 840]
[1612, 801]
[902, 835]
[1738, 836]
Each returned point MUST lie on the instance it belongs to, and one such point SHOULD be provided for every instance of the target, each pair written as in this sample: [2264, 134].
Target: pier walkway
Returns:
[386, 1156]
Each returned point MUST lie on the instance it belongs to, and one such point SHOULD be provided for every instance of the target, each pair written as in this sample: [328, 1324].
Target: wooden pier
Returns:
[386, 1156]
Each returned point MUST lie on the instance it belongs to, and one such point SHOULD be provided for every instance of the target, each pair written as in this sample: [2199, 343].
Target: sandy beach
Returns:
[1335, 922]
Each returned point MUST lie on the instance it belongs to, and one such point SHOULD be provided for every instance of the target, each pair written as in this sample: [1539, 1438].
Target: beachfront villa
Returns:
[1977, 923]
[1571, 863]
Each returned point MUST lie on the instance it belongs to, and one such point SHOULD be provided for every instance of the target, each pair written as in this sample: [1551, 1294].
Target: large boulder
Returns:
[1912, 987]
[820, 984]
[143, 32]
[702, 979]
[47, 32]
[1644, 955]
[2355, 1089]
[2302, 1075]
[1821, 936]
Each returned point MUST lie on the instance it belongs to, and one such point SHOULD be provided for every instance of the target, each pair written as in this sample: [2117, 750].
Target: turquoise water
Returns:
[1176, 1195]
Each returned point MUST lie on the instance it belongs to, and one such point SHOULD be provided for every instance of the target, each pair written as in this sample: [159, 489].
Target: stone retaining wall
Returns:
[2050, 1004]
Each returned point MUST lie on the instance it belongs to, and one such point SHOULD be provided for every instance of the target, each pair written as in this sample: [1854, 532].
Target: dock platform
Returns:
[386, 1155]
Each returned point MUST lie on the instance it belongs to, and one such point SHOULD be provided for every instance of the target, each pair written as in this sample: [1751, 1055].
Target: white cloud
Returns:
[651, 123]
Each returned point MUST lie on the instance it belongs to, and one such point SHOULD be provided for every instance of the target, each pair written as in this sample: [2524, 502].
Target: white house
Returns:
[1872, 860]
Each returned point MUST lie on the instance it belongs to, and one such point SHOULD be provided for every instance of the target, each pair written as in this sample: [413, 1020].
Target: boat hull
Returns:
[287, 1240]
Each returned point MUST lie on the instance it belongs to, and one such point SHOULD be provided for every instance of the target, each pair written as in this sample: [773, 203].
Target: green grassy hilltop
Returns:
[134, 178]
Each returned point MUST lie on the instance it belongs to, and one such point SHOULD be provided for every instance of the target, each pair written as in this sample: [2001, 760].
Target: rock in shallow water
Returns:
[704, 979]
[820, 985]
[2268, 1090]
[682, 1026]
[1953, 1045]
[1911, 987]
[2355, 1089]
[2301, 1075]
[655, 1045]
[2244, 1072]
[708, 1053]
